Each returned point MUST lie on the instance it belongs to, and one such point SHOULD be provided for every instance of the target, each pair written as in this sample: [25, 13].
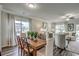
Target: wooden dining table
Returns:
[36, 44]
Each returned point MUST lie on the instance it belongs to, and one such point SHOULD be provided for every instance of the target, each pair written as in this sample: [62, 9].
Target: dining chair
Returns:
[22, 36]
[20, 44]
[26, 49]
[23, 45]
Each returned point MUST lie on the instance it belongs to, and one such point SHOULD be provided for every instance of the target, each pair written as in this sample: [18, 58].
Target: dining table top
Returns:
[36, 44]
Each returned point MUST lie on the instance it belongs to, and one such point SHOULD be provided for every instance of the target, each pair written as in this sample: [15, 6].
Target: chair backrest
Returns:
[23, 35]
[22, 41]
[60, 41]
[25, 44]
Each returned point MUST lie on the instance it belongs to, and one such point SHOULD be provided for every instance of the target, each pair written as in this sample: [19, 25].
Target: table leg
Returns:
[34, 52]
[0, 53]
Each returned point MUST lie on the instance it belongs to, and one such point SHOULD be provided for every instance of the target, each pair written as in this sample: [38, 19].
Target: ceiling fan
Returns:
[68, 17]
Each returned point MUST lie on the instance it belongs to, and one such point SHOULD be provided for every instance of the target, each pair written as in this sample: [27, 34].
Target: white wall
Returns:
[36, 25]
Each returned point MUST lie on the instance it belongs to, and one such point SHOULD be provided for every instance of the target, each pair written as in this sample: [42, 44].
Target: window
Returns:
[60, 28]
[77, 32]
[25, 26]
[18, 27]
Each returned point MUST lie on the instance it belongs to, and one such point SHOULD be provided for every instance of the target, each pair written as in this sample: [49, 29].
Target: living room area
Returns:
[66, 38]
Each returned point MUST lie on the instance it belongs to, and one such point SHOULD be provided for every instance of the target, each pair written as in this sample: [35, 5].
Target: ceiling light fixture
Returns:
[67, 19]
[31, 5]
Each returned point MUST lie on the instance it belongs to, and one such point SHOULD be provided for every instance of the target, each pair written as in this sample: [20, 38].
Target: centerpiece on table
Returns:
[32, 35]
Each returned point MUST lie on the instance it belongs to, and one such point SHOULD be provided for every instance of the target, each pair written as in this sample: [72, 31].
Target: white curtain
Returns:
[8, 30]
[11, 30]
[8, 33]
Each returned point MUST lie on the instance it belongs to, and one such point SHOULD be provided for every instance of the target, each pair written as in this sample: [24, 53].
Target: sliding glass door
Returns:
[21, 27]
[25, 27]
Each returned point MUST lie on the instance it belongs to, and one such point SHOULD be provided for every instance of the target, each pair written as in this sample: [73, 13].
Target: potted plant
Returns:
[35, 35]
[29, 34]
[32, 35]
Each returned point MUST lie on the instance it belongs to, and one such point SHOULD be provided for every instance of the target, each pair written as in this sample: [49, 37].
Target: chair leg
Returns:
[21, 52]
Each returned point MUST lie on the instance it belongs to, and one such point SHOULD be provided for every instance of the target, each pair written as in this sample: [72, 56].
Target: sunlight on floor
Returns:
[13, 51]
[74, 46]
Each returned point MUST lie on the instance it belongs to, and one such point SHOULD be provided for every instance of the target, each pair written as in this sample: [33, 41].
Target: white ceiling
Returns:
[46, 11]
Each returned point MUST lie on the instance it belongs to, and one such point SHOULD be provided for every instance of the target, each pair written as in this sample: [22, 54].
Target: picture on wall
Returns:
[71, 27]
